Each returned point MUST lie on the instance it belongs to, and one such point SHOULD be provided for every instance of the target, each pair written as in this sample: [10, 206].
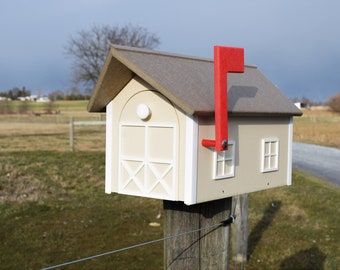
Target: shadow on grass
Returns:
[310, 259]
[267, 218]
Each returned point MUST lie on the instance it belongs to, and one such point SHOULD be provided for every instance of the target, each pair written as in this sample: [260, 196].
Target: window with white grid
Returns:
[224, 162]
[270, 155]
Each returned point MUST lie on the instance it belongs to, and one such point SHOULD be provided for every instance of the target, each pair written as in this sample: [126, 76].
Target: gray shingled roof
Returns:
[188, 82]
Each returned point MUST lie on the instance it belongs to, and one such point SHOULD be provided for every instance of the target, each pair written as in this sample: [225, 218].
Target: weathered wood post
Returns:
[239, 232]
[206, 249]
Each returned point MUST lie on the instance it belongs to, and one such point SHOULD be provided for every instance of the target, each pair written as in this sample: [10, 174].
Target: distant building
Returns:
[28, 98]
[43, 99]
[33, 98]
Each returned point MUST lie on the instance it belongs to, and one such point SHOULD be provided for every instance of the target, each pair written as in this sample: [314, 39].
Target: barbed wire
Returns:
[224, 223]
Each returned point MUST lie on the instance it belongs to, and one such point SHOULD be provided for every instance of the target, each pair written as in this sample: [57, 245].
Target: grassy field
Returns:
[295, 227]
[318, 127]
[41, 131]
[53, 208]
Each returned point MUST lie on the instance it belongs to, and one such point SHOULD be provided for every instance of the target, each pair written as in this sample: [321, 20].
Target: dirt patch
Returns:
[295, 213]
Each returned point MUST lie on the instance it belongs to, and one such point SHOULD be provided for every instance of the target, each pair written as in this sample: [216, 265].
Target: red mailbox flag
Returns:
[226, 59]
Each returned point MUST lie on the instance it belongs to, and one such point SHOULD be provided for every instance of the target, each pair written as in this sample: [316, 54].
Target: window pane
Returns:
[229, 152]
[273, 162]
[266, 164]
[274, 148]
[267, 148]
[220, 169]
[228, 167]
[220, 156]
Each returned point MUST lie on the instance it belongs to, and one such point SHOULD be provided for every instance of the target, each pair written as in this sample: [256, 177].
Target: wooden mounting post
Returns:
[206, 249]
[239, 232]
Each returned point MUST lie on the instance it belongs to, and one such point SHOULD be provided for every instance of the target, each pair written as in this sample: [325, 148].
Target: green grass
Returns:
[53, 210]
[295, 227]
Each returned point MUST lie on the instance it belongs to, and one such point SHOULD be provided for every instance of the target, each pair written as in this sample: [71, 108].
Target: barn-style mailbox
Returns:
[161, 137]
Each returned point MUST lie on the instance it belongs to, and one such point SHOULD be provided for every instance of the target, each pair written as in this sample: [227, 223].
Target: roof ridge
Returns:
[162, 53]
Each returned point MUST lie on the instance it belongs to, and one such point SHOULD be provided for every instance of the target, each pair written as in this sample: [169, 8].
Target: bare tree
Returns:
[334, 102]
[89, 48]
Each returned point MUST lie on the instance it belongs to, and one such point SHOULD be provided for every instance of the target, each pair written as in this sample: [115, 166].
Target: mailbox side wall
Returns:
[247, 133]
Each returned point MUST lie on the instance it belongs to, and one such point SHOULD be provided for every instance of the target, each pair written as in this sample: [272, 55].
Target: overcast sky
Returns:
[296, 44]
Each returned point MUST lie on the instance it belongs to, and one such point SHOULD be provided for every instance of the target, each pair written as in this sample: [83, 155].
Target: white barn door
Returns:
[148, 148]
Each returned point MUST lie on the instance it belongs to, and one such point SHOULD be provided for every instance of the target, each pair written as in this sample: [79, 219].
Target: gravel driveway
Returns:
[319, 160]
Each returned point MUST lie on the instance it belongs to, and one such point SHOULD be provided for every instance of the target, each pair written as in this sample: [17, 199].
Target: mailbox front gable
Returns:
[148, 155]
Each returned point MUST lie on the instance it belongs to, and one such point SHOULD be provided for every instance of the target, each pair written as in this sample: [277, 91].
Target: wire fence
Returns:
[81, 123]
[226, 222]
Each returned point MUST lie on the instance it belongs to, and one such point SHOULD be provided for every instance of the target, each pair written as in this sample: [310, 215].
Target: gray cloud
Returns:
[295, 43]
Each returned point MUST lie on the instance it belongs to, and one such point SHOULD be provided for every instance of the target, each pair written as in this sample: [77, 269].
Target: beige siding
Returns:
[247, 134]
[162, 156]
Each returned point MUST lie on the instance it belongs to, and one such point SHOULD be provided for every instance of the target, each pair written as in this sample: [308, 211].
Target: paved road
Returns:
[319, 160]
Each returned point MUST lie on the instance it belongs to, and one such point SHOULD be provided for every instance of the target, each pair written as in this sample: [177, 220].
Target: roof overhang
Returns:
[117, 71]
[188, 83]
[108, 86]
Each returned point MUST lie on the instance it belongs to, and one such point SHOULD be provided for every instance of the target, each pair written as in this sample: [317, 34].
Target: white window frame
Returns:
[272, 153]
[225, 158]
